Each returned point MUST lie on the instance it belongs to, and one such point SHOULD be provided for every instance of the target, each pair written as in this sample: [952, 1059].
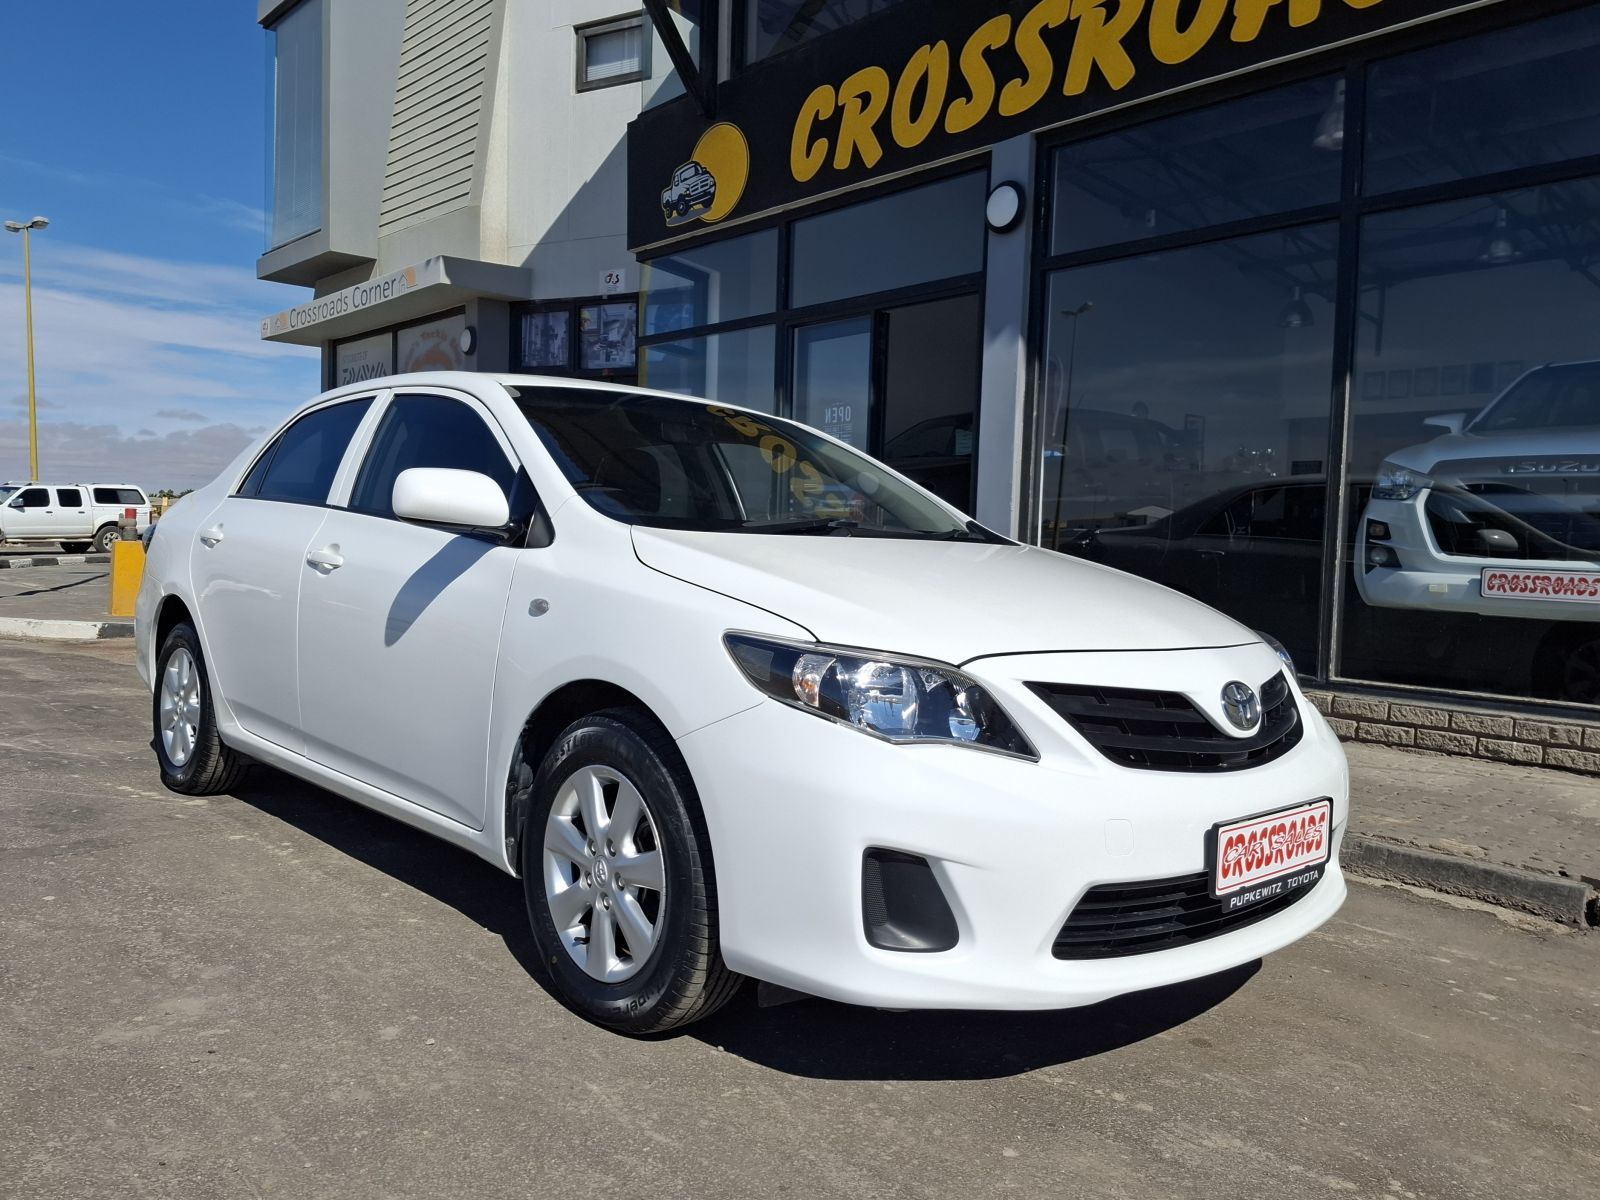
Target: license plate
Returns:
[1262, 858]
[1572, 587]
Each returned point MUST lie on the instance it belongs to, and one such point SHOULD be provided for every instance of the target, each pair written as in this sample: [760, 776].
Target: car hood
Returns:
[1534, 444]
[951, 601]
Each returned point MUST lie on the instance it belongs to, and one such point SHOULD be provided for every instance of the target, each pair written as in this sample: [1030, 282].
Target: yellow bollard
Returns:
[127, 572]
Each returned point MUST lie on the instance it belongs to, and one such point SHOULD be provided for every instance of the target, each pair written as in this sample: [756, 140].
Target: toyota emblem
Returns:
[1241, 705]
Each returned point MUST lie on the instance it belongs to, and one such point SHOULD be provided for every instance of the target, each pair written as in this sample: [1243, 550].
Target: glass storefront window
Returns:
[931, 232]
[1514, 98]
[1475, 447]
[774, 26]
[735, 367]
[1274, 152]
[1185, 400]
[705, 285]
[606, 336]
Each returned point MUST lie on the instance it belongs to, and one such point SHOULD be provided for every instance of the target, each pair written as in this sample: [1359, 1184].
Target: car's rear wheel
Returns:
[104, 536]
[616, 868]
[194, 761]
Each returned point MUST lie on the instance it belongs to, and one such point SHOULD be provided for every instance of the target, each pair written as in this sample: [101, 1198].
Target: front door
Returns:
[246, 564]
[30, 513]
[400, 623]
[899, 383]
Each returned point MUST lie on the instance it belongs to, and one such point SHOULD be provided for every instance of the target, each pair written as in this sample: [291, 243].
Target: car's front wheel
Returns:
[616, 868]
[194, 761]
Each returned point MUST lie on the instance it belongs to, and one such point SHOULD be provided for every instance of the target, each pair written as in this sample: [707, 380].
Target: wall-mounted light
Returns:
[468, 340]
[1004, 208]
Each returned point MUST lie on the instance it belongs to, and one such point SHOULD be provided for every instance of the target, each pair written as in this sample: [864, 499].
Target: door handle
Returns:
[210, 537]
[326, 559]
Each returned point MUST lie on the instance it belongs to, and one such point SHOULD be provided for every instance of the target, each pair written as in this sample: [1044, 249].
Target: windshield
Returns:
[687, 464]
[1564, 397]
[5, 491]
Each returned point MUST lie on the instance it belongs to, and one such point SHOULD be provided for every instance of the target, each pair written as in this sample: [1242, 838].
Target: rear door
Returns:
[400, 623]
[71, 518]
[247, 563]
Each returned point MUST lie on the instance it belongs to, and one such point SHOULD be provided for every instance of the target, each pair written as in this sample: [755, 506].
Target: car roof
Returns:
[472, 382]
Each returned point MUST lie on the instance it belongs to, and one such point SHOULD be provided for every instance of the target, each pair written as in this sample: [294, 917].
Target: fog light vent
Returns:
[902, 905]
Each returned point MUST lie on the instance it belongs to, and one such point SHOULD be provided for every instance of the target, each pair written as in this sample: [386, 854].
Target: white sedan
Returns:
[735, 700]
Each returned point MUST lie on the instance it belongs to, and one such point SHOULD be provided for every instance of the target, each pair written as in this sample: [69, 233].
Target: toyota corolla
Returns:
[734, 700]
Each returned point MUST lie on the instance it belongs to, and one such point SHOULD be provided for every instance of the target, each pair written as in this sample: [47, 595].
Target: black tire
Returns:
[211, 768]
[104, 536]
[74, 547]
[684, 977]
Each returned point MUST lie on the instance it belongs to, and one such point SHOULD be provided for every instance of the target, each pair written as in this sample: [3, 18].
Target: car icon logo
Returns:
[1241, 706]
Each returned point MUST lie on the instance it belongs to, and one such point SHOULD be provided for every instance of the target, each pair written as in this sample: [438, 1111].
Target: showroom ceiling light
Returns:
[1499, 247]
[1296, 313]
[1330, 129]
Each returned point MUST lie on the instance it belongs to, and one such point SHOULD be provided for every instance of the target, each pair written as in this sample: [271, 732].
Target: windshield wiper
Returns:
[840, 525]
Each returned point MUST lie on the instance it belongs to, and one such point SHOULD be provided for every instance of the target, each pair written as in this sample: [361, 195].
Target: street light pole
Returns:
[26, 228]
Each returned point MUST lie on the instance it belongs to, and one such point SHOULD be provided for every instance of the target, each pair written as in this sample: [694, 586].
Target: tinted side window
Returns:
[427, 431]
[69, 497]
[307, 454]
[35, 498]
[122, 496]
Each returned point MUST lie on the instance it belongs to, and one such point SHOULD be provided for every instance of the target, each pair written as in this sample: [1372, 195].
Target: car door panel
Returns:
[246, 567]
[398, 646]
[408, 614]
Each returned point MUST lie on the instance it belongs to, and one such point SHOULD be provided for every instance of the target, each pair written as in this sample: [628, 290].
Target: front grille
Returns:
[1164, 731]
[1138, 918]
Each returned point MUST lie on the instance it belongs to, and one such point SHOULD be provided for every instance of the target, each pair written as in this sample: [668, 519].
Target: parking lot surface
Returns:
[281, 994]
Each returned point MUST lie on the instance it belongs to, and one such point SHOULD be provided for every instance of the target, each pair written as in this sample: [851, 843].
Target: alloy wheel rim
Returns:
[180, 707]
[604, 879]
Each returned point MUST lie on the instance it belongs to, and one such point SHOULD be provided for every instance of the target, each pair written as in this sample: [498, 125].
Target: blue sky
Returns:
[140, 132]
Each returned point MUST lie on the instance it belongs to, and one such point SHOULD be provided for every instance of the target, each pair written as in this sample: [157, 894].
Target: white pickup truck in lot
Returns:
[76, 516]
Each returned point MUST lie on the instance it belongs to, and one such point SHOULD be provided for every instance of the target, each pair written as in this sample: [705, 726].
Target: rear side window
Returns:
[119, 496]
[300, 466]
[69, 497]
[427, 431]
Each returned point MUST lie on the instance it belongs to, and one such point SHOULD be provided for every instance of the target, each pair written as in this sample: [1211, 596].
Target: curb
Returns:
[41, 630]
[1569, 901]
[52, 560]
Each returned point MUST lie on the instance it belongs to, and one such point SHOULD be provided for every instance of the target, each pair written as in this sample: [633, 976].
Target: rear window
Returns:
[300, 465]
[119, 495]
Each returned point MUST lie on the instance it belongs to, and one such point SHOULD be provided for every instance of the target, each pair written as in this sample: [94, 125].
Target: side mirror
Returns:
[441, 496]
[1449, 422]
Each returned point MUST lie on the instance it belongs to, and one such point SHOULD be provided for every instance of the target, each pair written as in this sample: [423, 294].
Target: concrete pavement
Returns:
[281, 994]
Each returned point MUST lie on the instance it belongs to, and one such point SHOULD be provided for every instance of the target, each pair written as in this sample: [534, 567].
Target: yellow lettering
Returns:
[779, 453]
[1173, 45]
[1362, 3]
[1022, 94]
[1249, 16]
[966, 112]
[930, 64]
[862, 99]
[805, 484]
[1099, 43]
[806, 155]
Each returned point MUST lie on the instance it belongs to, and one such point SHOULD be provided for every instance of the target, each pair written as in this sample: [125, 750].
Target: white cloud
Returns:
[124, 340]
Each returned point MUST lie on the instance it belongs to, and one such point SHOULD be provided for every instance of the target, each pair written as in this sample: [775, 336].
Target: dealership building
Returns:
[1293, 305]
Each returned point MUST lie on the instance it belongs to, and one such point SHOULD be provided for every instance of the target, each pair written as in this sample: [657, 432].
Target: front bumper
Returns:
[1430, 581]
[793, 802]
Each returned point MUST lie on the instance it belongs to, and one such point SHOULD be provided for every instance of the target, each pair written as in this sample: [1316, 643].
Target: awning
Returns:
[431, 286]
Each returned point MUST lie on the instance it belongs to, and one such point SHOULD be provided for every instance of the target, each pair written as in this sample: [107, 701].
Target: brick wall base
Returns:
[1473, 733]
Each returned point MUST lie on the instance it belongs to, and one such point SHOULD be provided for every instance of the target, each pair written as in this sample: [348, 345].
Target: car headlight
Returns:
[1395, 482]
[903, 700]
[1279, 647]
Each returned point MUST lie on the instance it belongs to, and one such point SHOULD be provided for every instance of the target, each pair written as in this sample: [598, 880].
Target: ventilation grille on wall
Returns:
[438, 101]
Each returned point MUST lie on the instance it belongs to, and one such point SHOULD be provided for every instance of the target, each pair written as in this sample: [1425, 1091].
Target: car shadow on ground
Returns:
[809, 1037]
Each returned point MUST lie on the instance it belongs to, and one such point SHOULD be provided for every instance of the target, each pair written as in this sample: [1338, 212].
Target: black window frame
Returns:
[573, 368]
